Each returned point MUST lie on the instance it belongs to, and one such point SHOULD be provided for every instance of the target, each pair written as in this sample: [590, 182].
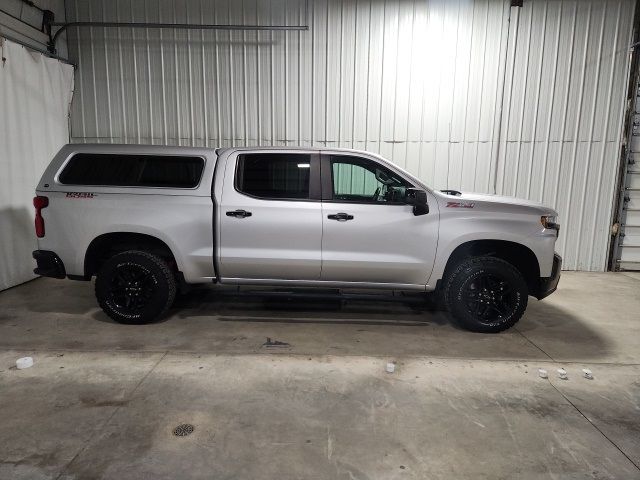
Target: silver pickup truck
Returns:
[146, 220]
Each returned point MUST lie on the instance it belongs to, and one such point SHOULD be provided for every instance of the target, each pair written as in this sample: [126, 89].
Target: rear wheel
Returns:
[486, 294]
[135, 287]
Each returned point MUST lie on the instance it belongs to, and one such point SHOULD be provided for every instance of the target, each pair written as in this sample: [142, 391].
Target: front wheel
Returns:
[486, 294]
[135, 287]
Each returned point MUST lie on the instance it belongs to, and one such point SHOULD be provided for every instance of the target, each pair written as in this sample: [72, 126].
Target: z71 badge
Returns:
[80, 195]
[460, 204]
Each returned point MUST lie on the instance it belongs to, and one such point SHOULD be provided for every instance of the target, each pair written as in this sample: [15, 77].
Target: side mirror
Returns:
[417, 198]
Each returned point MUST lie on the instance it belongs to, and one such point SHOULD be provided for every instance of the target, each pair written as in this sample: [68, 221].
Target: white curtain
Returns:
[35, 92]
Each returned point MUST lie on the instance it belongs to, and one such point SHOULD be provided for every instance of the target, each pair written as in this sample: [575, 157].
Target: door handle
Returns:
[239, 214]
[341, 217]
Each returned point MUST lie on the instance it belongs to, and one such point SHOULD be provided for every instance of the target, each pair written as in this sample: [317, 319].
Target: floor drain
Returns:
[183, 430]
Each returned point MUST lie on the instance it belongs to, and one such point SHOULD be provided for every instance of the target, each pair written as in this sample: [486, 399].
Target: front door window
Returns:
[360, 180]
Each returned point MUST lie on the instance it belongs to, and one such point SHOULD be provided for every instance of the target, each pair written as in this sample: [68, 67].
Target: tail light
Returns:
[40, 203]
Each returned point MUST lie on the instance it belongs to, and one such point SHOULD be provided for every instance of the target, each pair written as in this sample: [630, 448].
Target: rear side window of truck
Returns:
[278, 176]
[133, 170]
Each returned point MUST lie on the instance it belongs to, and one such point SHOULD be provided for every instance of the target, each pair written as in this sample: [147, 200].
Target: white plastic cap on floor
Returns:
[24, 362]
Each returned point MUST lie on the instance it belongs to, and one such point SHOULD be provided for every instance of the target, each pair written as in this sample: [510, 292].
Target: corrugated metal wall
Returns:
[465, 94]
[562, 117]
[415, 81]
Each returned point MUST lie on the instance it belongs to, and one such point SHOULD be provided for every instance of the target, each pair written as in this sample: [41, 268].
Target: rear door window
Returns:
[169, 171]
[277, 176]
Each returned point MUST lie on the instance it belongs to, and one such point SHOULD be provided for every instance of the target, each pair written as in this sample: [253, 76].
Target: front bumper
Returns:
[548, 285]
[49, 264]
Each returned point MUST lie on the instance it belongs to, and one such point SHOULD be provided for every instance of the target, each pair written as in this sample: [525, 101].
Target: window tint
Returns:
[274, 175]
[358, 179]
[133, 170]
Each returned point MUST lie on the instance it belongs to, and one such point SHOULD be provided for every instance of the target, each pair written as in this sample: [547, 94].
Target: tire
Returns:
[486, 294]
[135, 287]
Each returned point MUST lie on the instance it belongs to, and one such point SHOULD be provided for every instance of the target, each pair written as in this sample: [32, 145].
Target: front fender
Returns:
[458, 230]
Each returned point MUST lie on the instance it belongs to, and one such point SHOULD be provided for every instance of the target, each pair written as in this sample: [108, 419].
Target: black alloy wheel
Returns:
[485, 294]
[489, 298]
[135, 287]
[132, 287]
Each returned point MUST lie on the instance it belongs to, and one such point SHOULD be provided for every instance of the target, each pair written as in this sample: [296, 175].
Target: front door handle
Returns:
[239, 214]
[341, 217]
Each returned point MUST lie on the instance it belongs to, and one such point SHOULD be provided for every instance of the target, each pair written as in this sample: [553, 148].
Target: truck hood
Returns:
[501, 199]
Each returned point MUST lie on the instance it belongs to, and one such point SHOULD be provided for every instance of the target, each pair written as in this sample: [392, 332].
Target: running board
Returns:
[325, 294]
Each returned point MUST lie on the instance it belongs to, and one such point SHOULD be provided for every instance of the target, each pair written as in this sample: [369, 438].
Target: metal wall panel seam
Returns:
[411, 63]
[122, 93]
[245, 115]
[217, 70]
[298, 33]
[326, 76]
[164, 93]
[190, 68]
[355, 75]
[591, 141]
[551, 101]
[286, 79]
[536, 102]
[146, 19]
[135, 77]
[437, 112]
[313, 76]
[205, 109]
[481, 99]
[93, 69]
[496, 127]
[569, 191]
[384, 25]
[466, 98]
[80, 74]
[340, 70]
[231, 89]
[453, 102]
[566, 104]
[106, 76]
[394, 103]
[366, 115]
[259, 82]
[272, 76]
[527, 51]
[176, 67]
[505, 117]
[421, 135]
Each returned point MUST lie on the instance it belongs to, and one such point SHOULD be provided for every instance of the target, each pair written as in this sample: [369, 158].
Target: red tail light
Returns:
[40, 203]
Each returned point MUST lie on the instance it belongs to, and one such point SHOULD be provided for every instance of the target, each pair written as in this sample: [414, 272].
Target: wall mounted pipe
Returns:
[186, 26]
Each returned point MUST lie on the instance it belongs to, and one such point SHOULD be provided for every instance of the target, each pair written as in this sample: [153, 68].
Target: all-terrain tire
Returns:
[485, 294]
[135, 287]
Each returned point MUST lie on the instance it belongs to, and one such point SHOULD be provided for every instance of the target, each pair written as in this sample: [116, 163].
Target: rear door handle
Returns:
[239, 214]
[341, 217]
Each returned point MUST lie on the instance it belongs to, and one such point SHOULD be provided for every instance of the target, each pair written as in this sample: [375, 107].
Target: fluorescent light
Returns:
[303, 165]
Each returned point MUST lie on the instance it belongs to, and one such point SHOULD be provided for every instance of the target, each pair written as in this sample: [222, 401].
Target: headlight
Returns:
[549, 222]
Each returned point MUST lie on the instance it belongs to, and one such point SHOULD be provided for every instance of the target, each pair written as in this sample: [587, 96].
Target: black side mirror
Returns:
[417, 198]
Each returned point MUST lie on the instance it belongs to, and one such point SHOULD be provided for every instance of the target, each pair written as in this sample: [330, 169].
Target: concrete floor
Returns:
[102, 399]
